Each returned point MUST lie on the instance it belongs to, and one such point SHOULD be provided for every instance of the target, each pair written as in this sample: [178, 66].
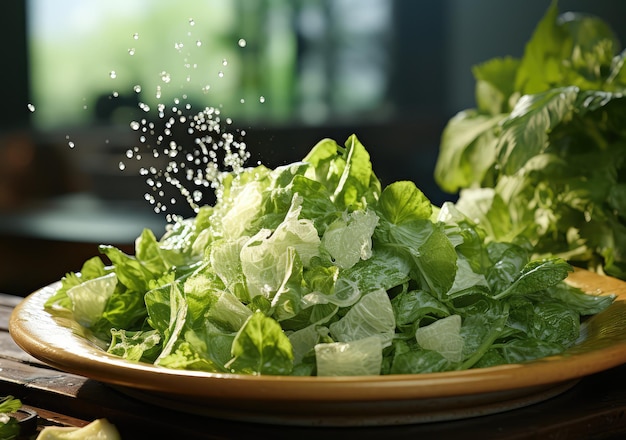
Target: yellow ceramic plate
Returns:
[334, 401]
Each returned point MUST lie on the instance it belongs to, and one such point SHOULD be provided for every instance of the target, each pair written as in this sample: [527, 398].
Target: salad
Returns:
[315, 268]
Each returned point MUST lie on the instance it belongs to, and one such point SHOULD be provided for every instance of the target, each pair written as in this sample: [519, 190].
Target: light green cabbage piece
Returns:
[298, 233]
[371, 316]
[345, 293]
[265, 261]
[349, 239]
[443, 336]
[246, 207]
[224, 259]
[303, 341]
[354, 358]
[90, 297]
[229, 312]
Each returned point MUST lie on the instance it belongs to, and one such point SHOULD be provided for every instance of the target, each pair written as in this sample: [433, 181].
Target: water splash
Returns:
[165, 77]
[70, 143]
[183, 153]
[198, 149]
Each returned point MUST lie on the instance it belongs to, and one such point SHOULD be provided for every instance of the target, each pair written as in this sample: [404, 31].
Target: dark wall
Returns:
[14, 71]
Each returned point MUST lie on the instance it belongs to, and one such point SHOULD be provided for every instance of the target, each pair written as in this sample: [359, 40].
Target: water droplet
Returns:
[131, 51]
[242, 101]
[261, 99]
[191, 22]
[135, 36]
[137, 88]
[198, 43]
[220, 74]
[71, 144]
[31, 107]
[165, 77]
[224, 62]
[122, 166]
[206, 88]
[242, 42]
[113, 74]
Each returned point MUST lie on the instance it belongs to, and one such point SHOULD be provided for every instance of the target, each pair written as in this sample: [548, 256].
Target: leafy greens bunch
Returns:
[313, 268]
[542, 155]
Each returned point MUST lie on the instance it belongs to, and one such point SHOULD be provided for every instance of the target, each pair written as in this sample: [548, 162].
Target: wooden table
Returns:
[595, 408]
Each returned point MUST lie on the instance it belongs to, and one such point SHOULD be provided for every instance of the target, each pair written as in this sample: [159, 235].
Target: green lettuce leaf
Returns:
[261, 347]
[541, 157]
[346, 172]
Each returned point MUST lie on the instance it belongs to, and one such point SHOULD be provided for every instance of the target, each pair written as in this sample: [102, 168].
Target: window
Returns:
[276, 61]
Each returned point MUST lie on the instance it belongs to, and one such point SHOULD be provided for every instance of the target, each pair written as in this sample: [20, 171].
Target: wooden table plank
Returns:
[5, 314]
[10, 300]
[10, 350]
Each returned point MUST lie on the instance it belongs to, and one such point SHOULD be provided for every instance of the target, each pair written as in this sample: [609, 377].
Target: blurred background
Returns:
[90, 87]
